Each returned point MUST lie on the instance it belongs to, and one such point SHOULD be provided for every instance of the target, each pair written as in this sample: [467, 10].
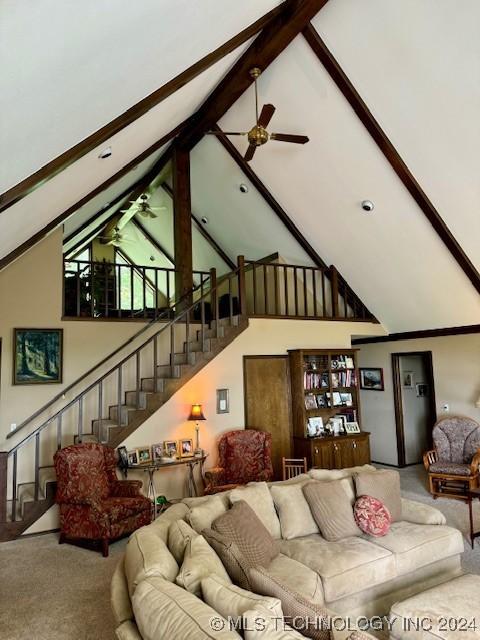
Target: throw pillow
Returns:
[230, 555]
[259, 624]
[296, 608]
[201, 517]
[147, 555]
[296, 519]
[372, 516]
[200, 561]
[231, 601]
[164, 610]
[257, 495]
[179, 533]
[331, 510]
[242, 526]
[384, 485]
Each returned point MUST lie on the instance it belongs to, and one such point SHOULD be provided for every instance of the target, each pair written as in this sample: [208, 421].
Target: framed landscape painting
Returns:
[371, 379]
[37, 356]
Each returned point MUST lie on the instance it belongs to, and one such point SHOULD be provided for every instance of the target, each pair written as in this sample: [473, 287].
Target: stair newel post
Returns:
[3, 485]
[214, 298]
[334, 283]
[242, 290]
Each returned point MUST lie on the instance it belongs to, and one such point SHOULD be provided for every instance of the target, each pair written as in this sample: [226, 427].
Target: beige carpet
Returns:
[55, 592]
[60, 592]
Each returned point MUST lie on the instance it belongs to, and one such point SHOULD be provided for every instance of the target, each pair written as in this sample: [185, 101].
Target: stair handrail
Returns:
[61, 394]
[213, 289]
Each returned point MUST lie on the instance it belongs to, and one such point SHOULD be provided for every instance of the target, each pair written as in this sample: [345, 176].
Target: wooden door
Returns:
[323, 455]
[268, 403]
[361, 451]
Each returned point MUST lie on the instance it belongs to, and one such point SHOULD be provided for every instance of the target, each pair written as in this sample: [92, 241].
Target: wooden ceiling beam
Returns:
[271, 41]
[337, 74]
[61, 162]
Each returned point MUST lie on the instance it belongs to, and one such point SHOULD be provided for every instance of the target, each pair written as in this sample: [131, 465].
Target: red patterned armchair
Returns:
[244, 455]
[94, 504]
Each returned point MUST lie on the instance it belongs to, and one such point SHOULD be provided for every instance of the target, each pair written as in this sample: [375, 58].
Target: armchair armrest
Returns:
[429, 458]
[215, 476]
[474, 465]
[125, 488]
[419, 513]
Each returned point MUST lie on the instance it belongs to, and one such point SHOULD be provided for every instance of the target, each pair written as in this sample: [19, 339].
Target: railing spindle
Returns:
[137, 379]
[80, 418]
[3, 485]
[230, 300]
[92, 290]
[254, 289]
[77, 278]
[265, 288]
[155, 364]
[275, 284]
[156, 294]
[187, 336]
[132, 290]
[305, 307]
[14, 487]
[314, 285]
[214, 299]
[106, 290]
[334, 281]
[241, 286]
[324, 301]
[285, 278]
[59, 432]
[119, 396]
[37, 465]
[345, 305]
[295, 285]
[144, 280]
[172, 349]
[119, 301]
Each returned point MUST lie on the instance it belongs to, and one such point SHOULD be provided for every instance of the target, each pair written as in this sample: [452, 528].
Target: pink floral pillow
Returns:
[372, 516]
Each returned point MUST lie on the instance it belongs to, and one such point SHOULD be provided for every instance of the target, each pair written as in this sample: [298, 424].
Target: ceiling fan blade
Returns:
[250, 152]
[287, 137]
[266, 115]
[227, 133]
[148, 214]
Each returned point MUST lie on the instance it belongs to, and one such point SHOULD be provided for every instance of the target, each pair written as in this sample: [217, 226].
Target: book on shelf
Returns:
[346, 378]
[310, 401]
[313, 380]
[323, 400]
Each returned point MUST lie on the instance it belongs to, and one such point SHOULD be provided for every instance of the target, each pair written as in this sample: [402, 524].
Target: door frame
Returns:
[397, 397]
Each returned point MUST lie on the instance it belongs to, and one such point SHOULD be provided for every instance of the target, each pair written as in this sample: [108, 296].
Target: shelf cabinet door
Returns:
[361, 449]
[323, 455]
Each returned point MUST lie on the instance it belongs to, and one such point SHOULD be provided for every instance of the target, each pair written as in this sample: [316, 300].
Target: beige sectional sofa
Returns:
[355, 576]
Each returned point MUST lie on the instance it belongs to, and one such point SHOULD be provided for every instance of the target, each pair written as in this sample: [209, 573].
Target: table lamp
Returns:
[196, 414]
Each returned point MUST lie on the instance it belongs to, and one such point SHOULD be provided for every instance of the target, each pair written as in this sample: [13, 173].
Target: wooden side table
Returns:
[472, 494]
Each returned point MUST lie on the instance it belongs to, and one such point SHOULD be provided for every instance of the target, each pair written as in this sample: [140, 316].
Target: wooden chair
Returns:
[453, 464]
[292, 467]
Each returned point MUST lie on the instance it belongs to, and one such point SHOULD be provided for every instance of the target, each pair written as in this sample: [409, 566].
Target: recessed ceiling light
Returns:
[243, 188]
[204, 219]
[368, 206]
[106, 153]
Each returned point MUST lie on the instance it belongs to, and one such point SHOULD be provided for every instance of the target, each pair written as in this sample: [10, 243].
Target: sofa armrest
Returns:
[119, 596]
[351, 634]
[125, 488]
[429, 457]
[475, 463]
[419, 513]
[128, 630]
[215, 476]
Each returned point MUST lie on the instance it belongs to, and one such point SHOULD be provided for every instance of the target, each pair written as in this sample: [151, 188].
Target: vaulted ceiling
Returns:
[67, 72]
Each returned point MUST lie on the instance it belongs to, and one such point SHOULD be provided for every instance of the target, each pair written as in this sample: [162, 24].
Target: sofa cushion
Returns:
[331, 509]
[199, 561]
[384, 485]
[147, 555]
[241, 525]
[295, 607]
[231, 557]
[453, 468]
[372, 516]
[296, 519]
[417, 545]
[202, 515]
[257, 495]
[258, 624]
[338, 474]
[165, 610]
[179, 533]
[231, 601]
[296, 577]
[345, 567]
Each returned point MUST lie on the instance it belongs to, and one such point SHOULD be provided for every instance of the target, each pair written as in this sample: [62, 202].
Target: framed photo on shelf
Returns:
[37, 356]
[186, 448]
[371, 379]
[408, 380]
[171, 448]
[144, 455]
[122, 457]
[157, 452]
[132, 458]
[315, 426]
[310, 402]
[352, 427]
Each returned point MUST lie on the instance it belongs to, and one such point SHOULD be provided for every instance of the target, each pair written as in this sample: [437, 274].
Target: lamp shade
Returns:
[196, 413]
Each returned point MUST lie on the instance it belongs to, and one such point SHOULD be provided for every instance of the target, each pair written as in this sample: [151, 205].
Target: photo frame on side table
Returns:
[352, 427]
[144, 455]
[171, 448]
[371, 379]
[157, 452]
[186, 448]
[132, 458]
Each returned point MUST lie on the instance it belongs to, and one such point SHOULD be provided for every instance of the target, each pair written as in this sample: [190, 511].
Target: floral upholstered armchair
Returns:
[244, 455]
[94, 504]
[453, 464]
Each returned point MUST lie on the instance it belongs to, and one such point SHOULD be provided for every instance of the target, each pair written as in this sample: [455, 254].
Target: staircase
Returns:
[111, 400]
[170, 352]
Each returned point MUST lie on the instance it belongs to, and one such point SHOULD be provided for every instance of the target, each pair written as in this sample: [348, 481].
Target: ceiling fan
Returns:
[143, 208]
[258, 134]
[116, 238]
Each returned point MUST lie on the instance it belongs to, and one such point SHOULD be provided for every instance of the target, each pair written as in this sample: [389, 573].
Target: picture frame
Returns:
[186, 448]
[144, 455]
[157, 452]
[37, 356]
[223, 401]
[122, 457]
[310, 402]
[171, 448]
[352, 427]
[408, 379]
[371, 379]
[132, 458]
[422, 390]
[315, 426]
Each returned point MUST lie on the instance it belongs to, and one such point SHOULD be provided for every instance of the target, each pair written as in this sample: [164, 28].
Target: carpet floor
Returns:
[61, 592]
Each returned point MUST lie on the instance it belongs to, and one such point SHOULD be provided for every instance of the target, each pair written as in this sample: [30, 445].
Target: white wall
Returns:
[456, 368]
[226, 371]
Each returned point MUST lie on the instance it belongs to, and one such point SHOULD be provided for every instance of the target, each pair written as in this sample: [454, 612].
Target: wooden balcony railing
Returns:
[119, 290]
